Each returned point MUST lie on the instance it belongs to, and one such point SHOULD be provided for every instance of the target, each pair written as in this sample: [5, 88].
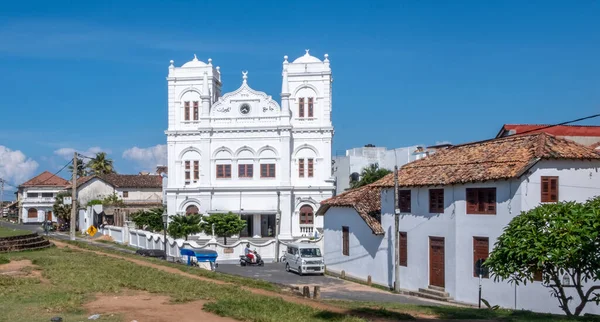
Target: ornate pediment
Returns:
[245, 102]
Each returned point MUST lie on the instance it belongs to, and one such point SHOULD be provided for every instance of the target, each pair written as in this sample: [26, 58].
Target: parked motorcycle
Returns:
[245, 261]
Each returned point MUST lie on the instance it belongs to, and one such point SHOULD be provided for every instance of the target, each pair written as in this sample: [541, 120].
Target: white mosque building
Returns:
[247, 153]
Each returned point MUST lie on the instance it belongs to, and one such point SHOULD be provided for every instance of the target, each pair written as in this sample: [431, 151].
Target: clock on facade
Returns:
[245, 109]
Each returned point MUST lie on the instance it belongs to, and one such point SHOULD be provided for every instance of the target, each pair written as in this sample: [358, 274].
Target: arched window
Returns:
[32, 213]
[306, 215]
[190, 210]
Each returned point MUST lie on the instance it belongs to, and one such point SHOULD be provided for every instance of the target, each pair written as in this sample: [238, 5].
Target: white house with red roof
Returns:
[36, 197]
[453, 205]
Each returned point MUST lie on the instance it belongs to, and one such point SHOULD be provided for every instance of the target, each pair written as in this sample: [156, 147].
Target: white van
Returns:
[304, 258]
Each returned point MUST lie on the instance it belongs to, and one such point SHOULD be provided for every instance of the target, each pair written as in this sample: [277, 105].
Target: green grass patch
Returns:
[115, 244]
[252, 283]
[4, 260]
[76, 275]
[410, 311]
[9, 232]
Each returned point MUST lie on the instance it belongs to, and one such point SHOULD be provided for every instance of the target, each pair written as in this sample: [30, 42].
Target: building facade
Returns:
[453, 206]
[36, 197]
[244, 152]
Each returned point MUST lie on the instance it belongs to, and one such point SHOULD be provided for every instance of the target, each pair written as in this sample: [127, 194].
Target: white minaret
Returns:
[285, 92]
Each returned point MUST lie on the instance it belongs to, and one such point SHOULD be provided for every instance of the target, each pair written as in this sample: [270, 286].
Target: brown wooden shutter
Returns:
[345, 241]
[404, 197]
[301, 107]
[480, 251]
[310, 168]
[196, 170]
[186, 107]
[310, 107]
[227, 170]
[195, 110]
[403, 249]
[436, 201]
[549, 189]
[490, 204]
[301, 168]
[472, 201]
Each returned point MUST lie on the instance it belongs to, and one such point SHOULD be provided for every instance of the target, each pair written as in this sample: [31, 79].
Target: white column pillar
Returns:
[285, 225]
[256, 222]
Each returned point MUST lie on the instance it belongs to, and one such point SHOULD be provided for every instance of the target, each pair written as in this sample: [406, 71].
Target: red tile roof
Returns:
[125, 180]
[559, 130]
[45, 179]
[502, 158]
[365, 200]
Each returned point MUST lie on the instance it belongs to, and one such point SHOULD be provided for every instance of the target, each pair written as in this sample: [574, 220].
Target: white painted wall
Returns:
[578, 181]
[368, 254]
[94, 189]
[140, 194]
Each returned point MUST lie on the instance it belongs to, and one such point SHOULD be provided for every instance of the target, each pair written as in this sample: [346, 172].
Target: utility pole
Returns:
[396, 233]
[1, 197]
[74, 196]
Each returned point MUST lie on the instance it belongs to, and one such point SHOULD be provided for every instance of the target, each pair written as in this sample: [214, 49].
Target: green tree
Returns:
[369, 175]
[558, 240]
[81, 168]
[149, 219]
[59, 209]
[113, 200]
[100, 164]
[183, 226]
[225, 224]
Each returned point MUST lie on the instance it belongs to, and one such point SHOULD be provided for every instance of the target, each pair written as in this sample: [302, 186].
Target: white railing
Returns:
[226, 253]
[307, 230]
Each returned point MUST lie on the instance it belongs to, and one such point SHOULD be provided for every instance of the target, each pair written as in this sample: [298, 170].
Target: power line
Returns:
[563, 123]
[57, 172]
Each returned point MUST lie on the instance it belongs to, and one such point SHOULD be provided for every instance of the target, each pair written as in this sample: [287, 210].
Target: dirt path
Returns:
[145, 307]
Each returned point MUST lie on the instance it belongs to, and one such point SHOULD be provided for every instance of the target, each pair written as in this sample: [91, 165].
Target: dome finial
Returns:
[326, 58]
[195, 58]
[171, 62]
[307, 54]
[210, 61]
[285, 59]
[245, 76]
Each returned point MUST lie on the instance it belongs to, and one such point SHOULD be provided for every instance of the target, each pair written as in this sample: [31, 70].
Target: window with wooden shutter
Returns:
[306, 215]
[345, 241]
[267, 170]
[301, 107]
[125, 194]
[196, 170]
[245, 170]
[223, 171]
[186, 108]
[301, 168]
[310, 107]
[187, 172]
[537, 275]
[403, 249]
[481, 201]
[310, 168]
[195, 110]
[481, 251]
[549, 189]
[436, 201]
[404, 200]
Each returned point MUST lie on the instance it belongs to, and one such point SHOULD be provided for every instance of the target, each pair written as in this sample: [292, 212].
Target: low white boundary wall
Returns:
[226, 253]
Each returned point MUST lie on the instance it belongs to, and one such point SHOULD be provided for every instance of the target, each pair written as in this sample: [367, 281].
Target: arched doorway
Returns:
[32, 213]
[306, 215]
[192, 209]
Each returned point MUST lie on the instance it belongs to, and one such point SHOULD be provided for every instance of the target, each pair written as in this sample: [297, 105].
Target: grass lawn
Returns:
[75, 276]
[409, 311]
[8, 232]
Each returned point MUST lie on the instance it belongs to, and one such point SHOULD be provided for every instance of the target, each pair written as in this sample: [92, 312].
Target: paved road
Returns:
[331, 287]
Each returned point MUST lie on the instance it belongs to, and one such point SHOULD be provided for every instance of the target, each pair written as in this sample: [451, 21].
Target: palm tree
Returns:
[81, 172]
[100, 164]
[370, 174]
[183, 226]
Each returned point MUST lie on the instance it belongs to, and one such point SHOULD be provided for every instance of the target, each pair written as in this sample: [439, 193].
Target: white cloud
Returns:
[67, 153]
[147, 158]
[15, 167]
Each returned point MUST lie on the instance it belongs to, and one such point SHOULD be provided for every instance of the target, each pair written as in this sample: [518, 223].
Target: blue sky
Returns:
[90, 75]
